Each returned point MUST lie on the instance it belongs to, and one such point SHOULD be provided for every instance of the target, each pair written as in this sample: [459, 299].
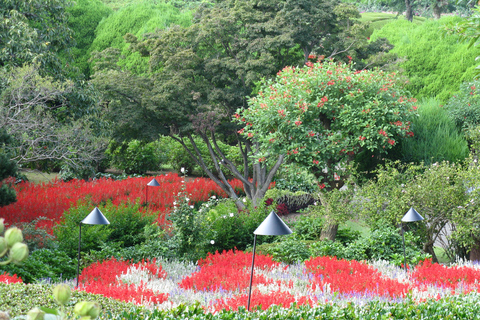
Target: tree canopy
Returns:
[322, 115]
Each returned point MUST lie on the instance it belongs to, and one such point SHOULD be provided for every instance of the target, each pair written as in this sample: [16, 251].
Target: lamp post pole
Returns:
[95, 217]
[411, 216]
[79, 245]
[271, 226]
[251, 274]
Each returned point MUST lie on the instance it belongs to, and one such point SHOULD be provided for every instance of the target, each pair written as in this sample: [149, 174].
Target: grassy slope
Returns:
[379, 19]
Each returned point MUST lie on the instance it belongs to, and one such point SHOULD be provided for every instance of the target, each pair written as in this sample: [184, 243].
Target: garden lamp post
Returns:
[271, 226]
[95, 217]
[152, 183]
[411, 216]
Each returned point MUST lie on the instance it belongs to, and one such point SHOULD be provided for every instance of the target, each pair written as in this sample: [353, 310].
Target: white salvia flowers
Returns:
[182, 170]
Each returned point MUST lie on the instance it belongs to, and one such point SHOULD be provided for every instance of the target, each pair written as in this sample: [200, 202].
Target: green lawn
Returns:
[36, 176]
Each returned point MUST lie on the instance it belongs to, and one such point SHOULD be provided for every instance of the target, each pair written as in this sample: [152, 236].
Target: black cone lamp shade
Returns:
[411, 216]
[153, 183]
[95, 217]
[272, 226]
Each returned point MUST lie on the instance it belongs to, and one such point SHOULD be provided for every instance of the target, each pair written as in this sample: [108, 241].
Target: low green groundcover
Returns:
[19, 298]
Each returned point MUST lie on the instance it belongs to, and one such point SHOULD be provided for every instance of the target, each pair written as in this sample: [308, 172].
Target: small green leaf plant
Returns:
[86, 310]
[15, 251]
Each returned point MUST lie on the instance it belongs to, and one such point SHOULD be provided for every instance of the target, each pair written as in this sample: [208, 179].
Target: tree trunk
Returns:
[408, 10]
[428, 248]
[475, 251]
[437, 10]
[329, 232]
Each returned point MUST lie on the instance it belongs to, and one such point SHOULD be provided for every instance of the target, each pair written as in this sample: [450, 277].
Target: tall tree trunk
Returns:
[428, 248]
[408, 10]
[329, 232]
[475, 251]
[437, 10]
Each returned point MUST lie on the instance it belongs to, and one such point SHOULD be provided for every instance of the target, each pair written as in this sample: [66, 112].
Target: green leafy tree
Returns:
[30, 109]
[198, 76]
[435, 191]
[34, 31]
[8, 168]
[322, 115]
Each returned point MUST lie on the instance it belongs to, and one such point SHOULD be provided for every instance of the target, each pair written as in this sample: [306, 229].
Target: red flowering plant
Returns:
[321, 116]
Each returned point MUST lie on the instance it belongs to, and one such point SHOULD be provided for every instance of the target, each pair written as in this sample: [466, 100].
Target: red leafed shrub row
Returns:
[50, 200]
[227, 271]
[101, 278]
[352, 277]
[6, 278]
[428, 273]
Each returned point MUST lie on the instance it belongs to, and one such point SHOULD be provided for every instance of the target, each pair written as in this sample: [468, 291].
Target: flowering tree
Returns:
[322, 115]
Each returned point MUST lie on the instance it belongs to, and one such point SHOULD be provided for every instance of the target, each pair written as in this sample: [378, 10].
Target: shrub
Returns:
[133, 157]
[126, 227]
[294, 178]
[44, 264]
[290, 250]
[436, 138]
[13, 300]
[385, 243]
[436, 64]
[464, 106]
[309, 226]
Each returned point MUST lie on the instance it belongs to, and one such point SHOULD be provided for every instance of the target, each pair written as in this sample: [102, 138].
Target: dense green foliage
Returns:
[44, 265]
[456, 307]
[8, 168]
[13, 300]
[138, 18]
[435, 64]
[34, 31]
[84, 17]
[436, 191]
[464, 106]
[134, 156]
[436, 137]
[126, 227]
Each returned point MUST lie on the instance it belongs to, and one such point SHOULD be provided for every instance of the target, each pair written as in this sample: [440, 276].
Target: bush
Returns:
[309, 226]
[134, 157]
[294, 178]
[464, 106]
[126, 227]
[436, 138]
[385, 243]
[44, 264]
[17, 299]
[436, 64]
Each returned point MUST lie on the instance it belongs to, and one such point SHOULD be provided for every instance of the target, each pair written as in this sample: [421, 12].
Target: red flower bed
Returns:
[352, 277]
[101, 278]
[429, 273]
[279, 298]
[229, 270]
[51, 200]
[7, 278]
